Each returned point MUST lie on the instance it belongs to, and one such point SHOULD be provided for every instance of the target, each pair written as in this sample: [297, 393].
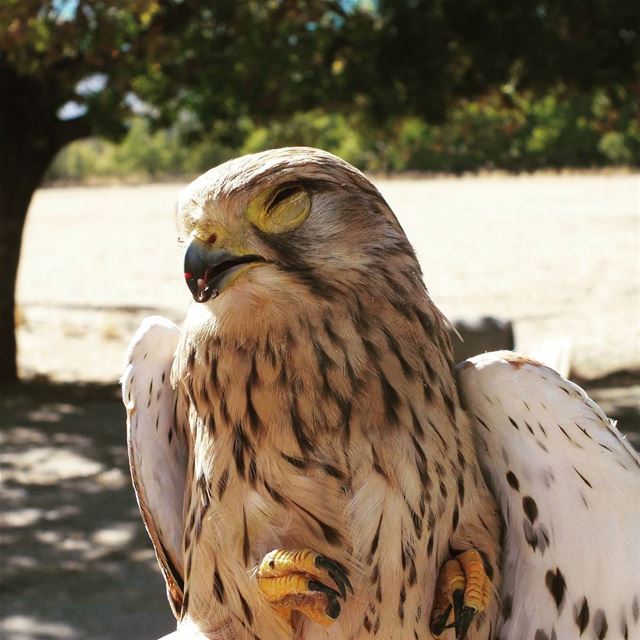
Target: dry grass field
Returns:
[556, 254]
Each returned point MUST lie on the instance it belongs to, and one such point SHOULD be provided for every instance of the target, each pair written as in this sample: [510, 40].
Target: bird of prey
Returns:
[307, 465]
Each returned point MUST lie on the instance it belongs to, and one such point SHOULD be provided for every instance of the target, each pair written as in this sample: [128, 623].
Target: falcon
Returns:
[307, 464]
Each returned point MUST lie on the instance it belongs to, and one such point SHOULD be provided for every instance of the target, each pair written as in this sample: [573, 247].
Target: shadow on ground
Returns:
[76, 561]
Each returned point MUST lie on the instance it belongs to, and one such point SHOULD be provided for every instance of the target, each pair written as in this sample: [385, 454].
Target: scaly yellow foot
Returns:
[462, 591]
[297, 581]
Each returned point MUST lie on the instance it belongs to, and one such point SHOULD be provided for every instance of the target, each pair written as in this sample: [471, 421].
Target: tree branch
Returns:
[67, 131]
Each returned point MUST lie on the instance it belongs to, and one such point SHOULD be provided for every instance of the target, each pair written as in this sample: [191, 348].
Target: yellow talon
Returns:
[275, 589]
[478, 587]
[450, 579]
[296, 581]
[462, 591]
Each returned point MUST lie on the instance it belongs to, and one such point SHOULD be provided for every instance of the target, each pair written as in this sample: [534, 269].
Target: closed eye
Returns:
[282, 195]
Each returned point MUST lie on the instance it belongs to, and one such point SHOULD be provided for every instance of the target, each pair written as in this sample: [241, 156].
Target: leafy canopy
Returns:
[96, 61]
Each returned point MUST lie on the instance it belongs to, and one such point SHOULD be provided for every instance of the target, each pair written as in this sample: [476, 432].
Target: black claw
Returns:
[463, 623]
[440, 624]
[337, 573]
[458, 601]
[340, 583]
[314, 585]
[333, 609]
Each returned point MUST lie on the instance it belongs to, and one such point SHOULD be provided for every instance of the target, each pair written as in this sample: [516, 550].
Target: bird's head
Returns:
[284, 228]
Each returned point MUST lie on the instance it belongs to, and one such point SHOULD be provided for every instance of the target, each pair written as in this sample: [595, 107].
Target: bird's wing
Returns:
[157, 446]
[568, 484]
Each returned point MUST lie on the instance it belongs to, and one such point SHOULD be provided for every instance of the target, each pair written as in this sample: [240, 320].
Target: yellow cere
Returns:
[219, 236]
[281, 209]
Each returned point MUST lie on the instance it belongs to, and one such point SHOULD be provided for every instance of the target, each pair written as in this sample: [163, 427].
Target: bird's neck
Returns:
[315, 366]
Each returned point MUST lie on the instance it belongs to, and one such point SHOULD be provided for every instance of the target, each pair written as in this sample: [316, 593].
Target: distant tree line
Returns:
[411, 83]
[501, 130]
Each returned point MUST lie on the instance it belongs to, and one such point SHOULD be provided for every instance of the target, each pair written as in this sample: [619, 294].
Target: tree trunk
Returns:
[30, 136]
[18, 182]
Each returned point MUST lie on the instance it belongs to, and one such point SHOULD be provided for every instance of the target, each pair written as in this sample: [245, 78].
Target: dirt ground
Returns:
[76, 561]
[558, 255]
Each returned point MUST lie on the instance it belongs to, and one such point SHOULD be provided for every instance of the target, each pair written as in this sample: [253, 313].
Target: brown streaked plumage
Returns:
[313, 419]
[323, 412]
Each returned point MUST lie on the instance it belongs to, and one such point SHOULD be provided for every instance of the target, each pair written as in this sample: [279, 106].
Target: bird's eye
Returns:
[281, 209]
[281, 195]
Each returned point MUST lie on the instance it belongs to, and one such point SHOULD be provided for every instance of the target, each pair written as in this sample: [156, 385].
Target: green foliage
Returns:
[614, 147]
[389, 84]
[83, 160]
[144, 154]
[315, 128]
[502, 130]
[520, 132]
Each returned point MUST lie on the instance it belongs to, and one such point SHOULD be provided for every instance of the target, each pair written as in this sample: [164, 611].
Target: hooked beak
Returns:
[207, 269]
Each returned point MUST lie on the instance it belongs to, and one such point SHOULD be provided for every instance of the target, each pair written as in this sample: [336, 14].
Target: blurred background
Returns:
[505, 135]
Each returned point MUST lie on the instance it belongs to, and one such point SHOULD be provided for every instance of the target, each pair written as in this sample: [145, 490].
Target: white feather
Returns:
[571, 501]
[157, 449]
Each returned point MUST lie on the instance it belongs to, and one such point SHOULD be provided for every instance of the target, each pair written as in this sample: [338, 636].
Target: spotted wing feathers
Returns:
[156, 444]
[568, 484]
